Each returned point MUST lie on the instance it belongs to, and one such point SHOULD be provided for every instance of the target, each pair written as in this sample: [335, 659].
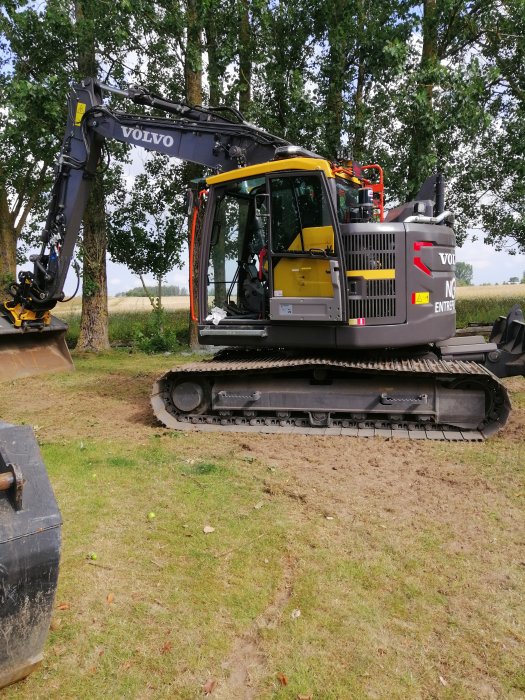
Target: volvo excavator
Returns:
[333, 318]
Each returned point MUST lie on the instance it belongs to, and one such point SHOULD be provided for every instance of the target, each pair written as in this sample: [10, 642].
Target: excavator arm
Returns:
[217, 138]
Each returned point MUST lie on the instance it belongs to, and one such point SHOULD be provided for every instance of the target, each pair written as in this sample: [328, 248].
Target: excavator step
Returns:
[403, 397]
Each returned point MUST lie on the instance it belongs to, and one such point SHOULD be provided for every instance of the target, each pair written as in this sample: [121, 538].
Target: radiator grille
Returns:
[372, 251]
[380, 301]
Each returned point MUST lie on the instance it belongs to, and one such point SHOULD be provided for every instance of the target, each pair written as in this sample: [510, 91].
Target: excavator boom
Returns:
[31, 340]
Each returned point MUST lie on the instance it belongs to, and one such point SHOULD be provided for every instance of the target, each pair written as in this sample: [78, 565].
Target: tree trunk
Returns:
[422, 138]
[215, 70]
[93, 335]
[245, 59]
[7, 246]
[359, 113]
[336, 79]
[193, 89]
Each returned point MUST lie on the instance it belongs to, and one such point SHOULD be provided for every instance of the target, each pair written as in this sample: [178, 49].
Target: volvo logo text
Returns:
[148, 136]
[448, 258]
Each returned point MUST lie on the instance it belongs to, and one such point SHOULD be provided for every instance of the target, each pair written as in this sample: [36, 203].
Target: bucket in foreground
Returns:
[32, 352]
[29, 553]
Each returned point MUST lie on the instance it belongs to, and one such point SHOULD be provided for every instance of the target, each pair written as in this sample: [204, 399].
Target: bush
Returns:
[157, 335]
[484, 310]
[134, 330]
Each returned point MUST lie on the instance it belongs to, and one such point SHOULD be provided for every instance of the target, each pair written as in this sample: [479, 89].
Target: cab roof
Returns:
[312, 164]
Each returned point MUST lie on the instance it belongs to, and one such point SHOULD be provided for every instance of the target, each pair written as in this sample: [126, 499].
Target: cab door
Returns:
[304, 266]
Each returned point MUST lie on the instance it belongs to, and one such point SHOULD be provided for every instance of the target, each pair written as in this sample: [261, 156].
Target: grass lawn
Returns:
[337, 568]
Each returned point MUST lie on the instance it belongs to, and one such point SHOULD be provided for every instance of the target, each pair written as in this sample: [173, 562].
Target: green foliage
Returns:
[485, 310]
[168, 290]
[131, 329]
[464, 273]
[155, 336]
[147, 224]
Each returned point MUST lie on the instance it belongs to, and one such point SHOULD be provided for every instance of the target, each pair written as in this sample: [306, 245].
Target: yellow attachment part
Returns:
[312, 164]
[308, 276]
[20, 315]
[373, 274]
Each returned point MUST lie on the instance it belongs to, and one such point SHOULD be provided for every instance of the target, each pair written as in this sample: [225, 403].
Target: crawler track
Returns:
[270, 392]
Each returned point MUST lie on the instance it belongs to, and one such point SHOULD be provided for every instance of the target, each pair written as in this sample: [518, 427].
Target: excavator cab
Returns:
[273, 240]
[300, 254]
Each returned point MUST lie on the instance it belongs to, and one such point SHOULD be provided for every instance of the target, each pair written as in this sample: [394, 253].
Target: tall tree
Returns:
[283, 70]
[43, 51]
[32, 85]
[147, 223]
[434, 110]
[421, 157]
[93, 334]
[502, 208]
[245, 57]
[193, 95]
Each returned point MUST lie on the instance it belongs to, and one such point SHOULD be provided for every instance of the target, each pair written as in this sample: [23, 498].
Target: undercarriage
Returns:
[414, 396]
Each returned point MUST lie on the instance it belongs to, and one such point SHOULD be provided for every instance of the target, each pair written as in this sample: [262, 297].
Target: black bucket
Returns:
[29, 553]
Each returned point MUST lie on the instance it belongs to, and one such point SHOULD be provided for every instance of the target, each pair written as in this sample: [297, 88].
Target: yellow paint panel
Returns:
[315, 237]
[373, 274]
[312, 164]
[81, 110]
[306, 277]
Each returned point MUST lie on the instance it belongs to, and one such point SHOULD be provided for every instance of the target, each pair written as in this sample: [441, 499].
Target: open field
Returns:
[125, 305]
[491, 290]
[338, 569]
[129, 304]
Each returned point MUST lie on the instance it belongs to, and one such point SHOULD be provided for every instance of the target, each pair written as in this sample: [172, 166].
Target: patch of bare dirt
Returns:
[395, 483]
[111, 406]
[246, 665]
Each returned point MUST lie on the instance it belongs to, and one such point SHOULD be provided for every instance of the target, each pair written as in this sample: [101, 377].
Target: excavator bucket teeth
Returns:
[25, 353]
[30, 538]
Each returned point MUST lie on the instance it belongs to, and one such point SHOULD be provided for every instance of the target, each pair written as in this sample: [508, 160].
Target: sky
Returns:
[490, 265]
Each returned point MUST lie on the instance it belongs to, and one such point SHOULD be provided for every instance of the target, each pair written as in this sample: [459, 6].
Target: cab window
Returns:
[297, 203]
[347, 201]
